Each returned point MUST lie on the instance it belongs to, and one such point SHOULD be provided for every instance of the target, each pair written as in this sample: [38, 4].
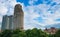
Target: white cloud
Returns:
[0, 19]
[31, 2]
[57, 1]
[48, 17]
[3, 10]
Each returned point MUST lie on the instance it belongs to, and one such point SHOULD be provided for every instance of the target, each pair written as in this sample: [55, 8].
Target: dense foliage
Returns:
[28, 33]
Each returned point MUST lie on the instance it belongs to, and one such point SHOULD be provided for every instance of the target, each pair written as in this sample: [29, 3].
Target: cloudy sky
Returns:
[37, 13]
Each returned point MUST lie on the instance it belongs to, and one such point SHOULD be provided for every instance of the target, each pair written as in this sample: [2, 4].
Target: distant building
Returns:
[15, 21]
[7, 22]
[52, 30]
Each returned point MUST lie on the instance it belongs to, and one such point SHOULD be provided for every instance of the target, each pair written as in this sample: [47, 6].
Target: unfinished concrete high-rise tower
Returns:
[18, 17]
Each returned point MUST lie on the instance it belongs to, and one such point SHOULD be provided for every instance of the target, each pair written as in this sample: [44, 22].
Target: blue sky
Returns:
[37, 13]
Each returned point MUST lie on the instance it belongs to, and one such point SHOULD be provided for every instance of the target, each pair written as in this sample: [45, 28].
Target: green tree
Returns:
[36, 33]
[0, 34]
[6, 33]
[42, 33]
[18, 33]
[28, 33]
[57, 33]
[51, 35]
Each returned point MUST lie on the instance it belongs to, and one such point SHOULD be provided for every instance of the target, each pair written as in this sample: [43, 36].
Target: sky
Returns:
[39, 14]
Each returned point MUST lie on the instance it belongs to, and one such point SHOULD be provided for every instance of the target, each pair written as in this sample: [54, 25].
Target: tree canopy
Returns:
[28, 33]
